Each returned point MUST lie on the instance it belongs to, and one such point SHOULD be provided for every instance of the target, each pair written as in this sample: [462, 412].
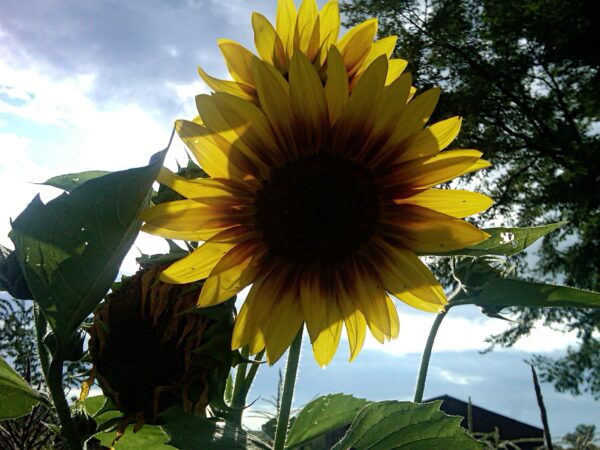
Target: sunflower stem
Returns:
[41, 328]
[55, 378]
[287, 394]
[427, 356]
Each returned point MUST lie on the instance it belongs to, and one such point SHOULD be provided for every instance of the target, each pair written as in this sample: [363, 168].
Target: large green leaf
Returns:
[189, 432]
[185, 432]
[322, 415]
[506, 241]
[17, 398]
[503, 292]
[71, 248]
[405, 425]
[70, 181]
[150, 437]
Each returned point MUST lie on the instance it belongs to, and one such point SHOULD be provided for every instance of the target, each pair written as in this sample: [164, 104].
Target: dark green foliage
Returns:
[584, 437]
[525, 77]
[17, 338]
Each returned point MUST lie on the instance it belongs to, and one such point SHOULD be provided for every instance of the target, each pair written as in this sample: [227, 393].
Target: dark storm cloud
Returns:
[135, 49]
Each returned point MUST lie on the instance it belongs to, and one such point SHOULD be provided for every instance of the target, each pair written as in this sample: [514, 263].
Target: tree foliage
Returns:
[525, 76]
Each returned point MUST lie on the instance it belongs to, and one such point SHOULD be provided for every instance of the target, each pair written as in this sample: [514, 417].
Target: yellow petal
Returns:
[419, 304]
[395, 69]
[305, 24]
[393, 315]
[402, 271]
[287, 320]
[214, 154]
[234, 271]
[361, 109]
[336, 87]
[231, 129]
[268, 43]
[432, 139]
[425, 172]
[415, 115]
[241, 90]
[251, 127]
[187, 235]
[370, 300]
[285, 23]
[329, 21]
[478, 165]
[192, 189]
[186, 215]
[392, 103]
[307, 99]
[323, 319]
[196, 265]
[454, 202]
[252, 317]
[381, 47]
[356, 44]
[424, 230]
[275, 101]
[238, 60]
[356, 325]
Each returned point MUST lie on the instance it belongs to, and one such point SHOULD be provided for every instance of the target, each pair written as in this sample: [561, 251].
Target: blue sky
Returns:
[97, 85]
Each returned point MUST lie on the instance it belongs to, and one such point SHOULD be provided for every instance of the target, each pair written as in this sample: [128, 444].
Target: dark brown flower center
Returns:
[317, 210]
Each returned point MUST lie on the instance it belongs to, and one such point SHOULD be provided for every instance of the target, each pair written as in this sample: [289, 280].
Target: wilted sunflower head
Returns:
[321, 197]
[144, 347]
[310, 32]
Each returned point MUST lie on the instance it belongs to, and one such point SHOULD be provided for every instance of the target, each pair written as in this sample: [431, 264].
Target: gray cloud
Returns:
[135, 50]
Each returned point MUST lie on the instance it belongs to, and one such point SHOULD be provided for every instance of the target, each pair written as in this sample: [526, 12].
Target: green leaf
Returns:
[70, 181]
[17, 398]
[71, 249]
[322, 415]
[406, 425]
[506, 241]
[185, 432]
[150, 437]
[503, 292]
[189, 432]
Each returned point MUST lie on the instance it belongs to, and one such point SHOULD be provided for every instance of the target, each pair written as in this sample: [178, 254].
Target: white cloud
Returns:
[454, 377]
[462, 333]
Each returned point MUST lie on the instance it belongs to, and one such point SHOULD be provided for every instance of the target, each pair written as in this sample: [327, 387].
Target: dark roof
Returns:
[485, 421]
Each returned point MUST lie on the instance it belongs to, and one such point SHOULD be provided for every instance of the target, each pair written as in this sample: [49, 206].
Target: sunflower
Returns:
[310, 32]
[320, 198]
[145, 346]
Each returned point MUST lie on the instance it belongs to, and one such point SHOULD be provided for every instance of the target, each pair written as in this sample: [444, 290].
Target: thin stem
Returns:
[543, 413]
[55, 377]
[236, 400]
[287, 394]
[251, 375]
[427, 356]
[41, 327]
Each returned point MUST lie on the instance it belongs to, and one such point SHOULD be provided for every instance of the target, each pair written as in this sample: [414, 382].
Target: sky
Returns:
[97, 85]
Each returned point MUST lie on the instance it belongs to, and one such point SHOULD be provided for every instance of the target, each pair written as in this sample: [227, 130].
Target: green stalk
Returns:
[54, 380]
[41, 328]
[251, 375]
[427, 356]
[236, 400]
[291, 370]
